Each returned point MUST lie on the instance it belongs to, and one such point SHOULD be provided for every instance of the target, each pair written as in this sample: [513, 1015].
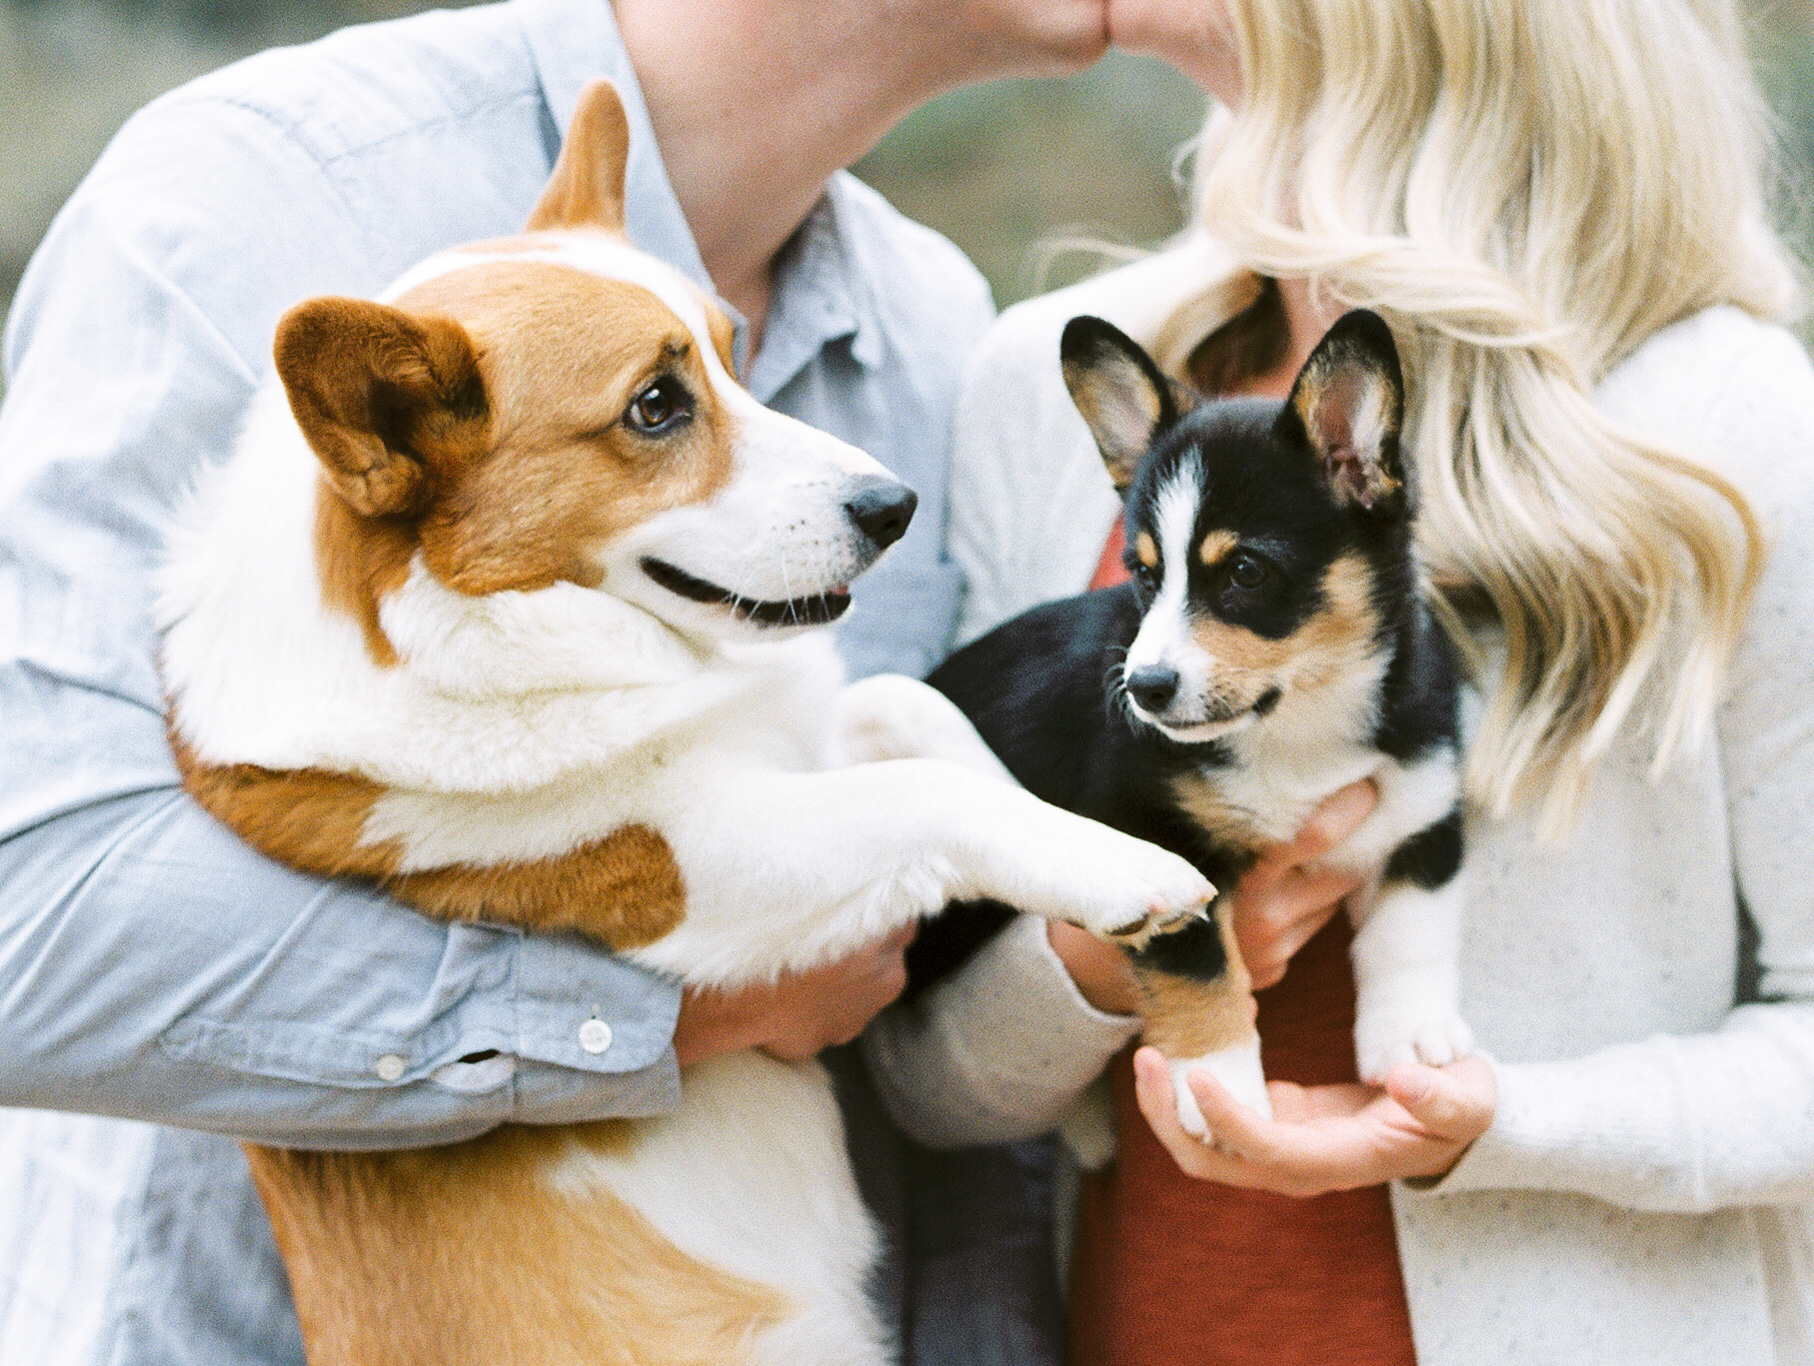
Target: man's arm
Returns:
[150, 965]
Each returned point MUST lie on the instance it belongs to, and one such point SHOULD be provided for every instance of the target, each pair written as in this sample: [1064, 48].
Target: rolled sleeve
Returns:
[154, 967]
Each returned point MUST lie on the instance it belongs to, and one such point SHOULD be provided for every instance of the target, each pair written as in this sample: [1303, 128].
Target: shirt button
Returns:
[595, 1036]
[389, 1067]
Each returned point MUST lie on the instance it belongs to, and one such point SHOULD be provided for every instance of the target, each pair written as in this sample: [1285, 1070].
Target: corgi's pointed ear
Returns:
[381, 396]
[1120, 392]
[586, 188]
[1349, 402]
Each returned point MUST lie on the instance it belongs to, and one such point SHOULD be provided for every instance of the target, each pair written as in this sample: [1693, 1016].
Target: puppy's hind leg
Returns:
[1407, 951]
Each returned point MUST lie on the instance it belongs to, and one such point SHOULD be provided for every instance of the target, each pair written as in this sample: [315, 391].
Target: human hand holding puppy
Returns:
[1321, 1138]
[1278, 906]
[1325, 1138]
[799, 1014]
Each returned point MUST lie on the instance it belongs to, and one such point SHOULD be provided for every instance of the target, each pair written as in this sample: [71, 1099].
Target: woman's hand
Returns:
[1325, 1138]
[801, 1013]
[1279, 904]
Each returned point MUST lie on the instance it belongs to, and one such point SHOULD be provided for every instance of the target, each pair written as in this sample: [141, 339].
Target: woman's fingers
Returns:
[1336, 818]
[1456, 1102]
[1282, 901]
[1158, 1103]
[1272, 927]
[1324, 1138]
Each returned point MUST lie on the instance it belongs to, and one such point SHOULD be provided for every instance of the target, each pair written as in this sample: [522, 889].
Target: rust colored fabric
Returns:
[1109, 569]
[1170, 1271]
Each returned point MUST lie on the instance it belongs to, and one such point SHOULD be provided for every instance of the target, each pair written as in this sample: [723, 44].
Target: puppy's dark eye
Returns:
[1247, 571]
[1146, 578]
[658, 409]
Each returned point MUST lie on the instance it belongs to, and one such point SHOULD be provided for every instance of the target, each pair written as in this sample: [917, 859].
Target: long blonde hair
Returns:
[1528, 190]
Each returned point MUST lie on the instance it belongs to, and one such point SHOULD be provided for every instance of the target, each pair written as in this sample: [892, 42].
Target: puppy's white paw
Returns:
[1384, 1038]
[1237, 1068]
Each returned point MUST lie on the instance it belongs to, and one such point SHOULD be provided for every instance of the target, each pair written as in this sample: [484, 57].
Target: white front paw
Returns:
[1143, 891]
[1239, 1071]
[1129, 890]
[1050, 863]
[1385, 1036]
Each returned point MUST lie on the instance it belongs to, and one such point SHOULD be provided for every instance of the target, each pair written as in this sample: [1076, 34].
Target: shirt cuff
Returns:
[586, 1018]
[540, 1030]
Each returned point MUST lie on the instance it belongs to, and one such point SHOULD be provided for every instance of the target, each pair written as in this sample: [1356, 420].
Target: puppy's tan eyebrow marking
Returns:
[1147, 549]
[1217, 546]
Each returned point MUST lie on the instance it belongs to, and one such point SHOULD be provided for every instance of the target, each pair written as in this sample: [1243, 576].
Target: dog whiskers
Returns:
[1115, 687]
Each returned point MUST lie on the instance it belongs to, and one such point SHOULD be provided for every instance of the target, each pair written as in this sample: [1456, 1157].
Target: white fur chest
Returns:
[1280, 777]
[770, 711]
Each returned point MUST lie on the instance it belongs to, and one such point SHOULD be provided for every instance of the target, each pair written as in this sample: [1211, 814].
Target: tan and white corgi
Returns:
[504, 601]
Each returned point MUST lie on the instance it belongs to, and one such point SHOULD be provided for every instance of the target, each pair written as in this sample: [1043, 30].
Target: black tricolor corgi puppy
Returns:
[1273, 646]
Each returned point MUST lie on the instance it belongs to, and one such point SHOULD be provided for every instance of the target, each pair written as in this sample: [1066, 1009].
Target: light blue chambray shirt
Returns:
[152, 969]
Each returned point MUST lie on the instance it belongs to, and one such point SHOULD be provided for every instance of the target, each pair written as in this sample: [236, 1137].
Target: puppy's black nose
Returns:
[882, 508]
[1153, 686]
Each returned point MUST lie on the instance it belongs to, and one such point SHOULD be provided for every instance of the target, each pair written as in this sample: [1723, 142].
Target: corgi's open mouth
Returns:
[815, 609]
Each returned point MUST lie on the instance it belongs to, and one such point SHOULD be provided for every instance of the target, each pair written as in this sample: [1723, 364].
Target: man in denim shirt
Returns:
[162, 987]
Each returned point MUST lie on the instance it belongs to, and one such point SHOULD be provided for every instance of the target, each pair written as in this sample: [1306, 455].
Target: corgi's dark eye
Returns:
[658, 409]
[1145, 577]
[1247, 571]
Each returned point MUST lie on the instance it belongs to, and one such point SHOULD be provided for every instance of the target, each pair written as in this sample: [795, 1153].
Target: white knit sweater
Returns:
[1644, 1193]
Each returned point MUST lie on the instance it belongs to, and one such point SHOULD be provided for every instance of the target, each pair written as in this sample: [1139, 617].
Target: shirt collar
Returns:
[573, 42]
[819, 298]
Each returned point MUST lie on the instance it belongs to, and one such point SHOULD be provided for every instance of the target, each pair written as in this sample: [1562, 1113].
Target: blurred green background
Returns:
[1009, 171]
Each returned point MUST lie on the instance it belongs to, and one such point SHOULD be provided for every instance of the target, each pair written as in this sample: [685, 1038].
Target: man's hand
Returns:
[1279, 904]
[1325, 1138]
[800, 1014]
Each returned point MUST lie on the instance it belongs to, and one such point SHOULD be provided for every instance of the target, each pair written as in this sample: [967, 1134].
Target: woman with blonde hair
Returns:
[1561, 209]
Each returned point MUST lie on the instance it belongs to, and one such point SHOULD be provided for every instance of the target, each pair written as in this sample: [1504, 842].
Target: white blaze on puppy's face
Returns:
[1167, 638]
[1198, 669]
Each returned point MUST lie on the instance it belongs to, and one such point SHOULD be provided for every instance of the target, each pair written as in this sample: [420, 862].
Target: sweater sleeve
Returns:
[1000, 1051]
[1698, 1121]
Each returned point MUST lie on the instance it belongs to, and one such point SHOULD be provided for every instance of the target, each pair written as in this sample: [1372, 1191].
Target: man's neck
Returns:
[756, 103]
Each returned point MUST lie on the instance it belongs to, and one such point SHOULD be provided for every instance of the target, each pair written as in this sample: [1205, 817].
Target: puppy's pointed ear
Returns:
[586, 188]
[1120, 392]
[1349, 404]
[382, 396]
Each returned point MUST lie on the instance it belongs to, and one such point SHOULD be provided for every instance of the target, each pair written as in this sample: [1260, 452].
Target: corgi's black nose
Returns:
[882, 508]
[1153, 686]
